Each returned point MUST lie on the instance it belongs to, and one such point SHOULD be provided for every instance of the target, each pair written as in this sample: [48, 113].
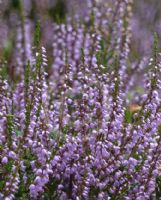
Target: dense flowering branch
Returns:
[69, 130]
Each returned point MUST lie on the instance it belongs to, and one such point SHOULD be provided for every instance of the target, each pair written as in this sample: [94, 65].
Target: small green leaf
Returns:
[18, 133]
[53, 135]
[1, 147]
[158, 187]
[7, 50]
[159, 129]
[8, 166]
[2, 185]
[82, 55]
[37, 35]
[128, 116]
[16, 4]
[58, 11]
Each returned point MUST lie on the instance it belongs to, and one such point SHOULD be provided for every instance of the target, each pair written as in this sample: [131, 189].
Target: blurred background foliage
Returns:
[145, 21]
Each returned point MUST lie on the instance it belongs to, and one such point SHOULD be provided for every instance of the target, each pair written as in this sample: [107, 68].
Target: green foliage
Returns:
[9, 128]
[18, 133]
[58, 12]
[50, 190]
[82, 55]
[27, 81]
[23, 191]
[37, 34]
[27, 114]
[155, 45]
[93, 192]
[128, 116]
[28, 156]
[53, 135]
[117, 81]
[8, 167]
[92, 19]
[27, 75]
[66, 56]
[1, 147]
[104, 56]
[66, 128]
[159, 129]
[143, 158]
[3, 71]
[147, 114]
[152, 67]
[28, 103]
[124, 192]
[153, 83]
[158, 187]
[7, 50]
[2, 185]
[16, 4]
[38, 65]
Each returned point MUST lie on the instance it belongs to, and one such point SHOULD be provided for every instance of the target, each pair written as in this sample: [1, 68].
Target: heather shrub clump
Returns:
[83, 121]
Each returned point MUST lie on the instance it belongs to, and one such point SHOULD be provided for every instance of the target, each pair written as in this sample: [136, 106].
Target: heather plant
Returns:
[75, 125]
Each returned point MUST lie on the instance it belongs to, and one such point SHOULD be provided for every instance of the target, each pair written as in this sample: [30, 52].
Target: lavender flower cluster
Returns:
[76, 129]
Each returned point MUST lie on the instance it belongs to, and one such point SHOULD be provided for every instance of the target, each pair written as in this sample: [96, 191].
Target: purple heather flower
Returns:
[12, 155]
[4, 160]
